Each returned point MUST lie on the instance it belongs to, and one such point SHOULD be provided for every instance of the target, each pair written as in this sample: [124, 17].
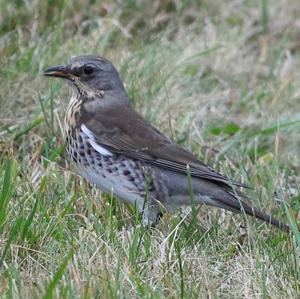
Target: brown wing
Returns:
[128, 133]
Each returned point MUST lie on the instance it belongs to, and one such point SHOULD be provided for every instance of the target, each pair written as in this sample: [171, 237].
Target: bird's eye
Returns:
[88, 70]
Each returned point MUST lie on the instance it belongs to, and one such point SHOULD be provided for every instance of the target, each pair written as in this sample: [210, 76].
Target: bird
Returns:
[115, 148]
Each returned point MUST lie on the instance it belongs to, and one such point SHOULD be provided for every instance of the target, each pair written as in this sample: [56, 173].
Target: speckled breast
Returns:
[114, 173]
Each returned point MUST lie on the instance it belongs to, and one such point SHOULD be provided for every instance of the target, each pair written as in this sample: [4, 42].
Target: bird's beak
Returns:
[59, 71]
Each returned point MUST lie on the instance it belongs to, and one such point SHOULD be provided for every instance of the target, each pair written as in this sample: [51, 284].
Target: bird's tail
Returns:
[235, 203]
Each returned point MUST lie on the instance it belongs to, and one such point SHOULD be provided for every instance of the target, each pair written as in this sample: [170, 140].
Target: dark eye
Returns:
[88, 70]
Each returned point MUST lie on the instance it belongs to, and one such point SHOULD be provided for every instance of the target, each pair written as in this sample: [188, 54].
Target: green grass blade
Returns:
[6, 190]
[57, 276]
[178, 254]
[30, 219]
[23, 131]
[293, 224]
[17, 227]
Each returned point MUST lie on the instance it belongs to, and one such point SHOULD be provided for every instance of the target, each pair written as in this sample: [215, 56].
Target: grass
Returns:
[221, 79]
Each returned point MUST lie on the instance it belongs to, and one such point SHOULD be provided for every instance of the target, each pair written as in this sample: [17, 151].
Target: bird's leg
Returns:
[149, 208]
[151, 215]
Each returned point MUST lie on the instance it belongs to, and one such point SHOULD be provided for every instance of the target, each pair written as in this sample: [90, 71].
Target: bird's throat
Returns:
[72, 116]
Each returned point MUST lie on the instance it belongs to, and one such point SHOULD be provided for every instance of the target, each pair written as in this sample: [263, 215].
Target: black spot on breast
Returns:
[98, 157]
[126, 172]
[82, 154]
[151, 187]
[88, 151]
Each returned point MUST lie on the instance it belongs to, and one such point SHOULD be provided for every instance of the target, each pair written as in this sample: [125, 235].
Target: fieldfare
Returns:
[113, 147]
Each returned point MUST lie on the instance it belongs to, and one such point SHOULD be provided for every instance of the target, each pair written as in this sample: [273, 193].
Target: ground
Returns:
[221, 78]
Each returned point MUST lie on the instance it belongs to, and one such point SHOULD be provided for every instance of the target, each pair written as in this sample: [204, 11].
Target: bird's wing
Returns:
[128, 133]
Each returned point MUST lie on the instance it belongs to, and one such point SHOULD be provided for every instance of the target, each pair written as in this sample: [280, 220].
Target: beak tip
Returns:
[59, 71]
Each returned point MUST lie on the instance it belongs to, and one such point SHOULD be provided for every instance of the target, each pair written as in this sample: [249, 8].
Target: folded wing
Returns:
[128, 133]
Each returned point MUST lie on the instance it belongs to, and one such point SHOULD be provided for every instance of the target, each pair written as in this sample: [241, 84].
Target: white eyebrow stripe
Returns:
[101, 150]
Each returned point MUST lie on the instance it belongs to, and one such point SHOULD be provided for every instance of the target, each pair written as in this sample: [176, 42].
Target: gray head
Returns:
[89, 74]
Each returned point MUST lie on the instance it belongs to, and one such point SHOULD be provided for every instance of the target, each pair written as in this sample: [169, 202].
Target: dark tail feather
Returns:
[264, 217]
[234, 204]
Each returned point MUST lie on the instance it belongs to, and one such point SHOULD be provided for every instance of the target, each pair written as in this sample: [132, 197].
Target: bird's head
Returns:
[89, 74]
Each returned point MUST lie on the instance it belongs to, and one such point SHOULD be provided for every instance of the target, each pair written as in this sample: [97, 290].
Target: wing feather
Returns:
[129, 134]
